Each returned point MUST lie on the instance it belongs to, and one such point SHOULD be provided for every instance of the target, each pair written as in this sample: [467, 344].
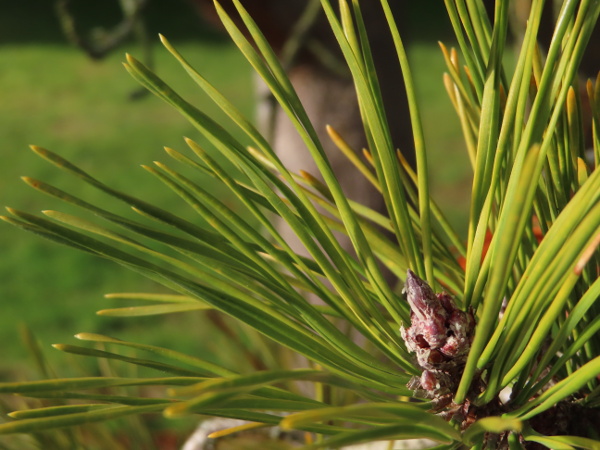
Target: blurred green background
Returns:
[53, 95]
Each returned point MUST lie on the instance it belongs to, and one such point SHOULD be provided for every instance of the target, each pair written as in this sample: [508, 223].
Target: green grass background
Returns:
[53, 96]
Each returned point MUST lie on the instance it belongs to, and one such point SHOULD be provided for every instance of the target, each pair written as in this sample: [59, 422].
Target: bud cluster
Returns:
[440, 334]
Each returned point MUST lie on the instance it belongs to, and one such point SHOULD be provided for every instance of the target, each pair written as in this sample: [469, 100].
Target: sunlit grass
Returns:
[54, 95]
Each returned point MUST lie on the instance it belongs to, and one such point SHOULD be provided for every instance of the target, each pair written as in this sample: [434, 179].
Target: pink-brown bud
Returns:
[440, 334]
